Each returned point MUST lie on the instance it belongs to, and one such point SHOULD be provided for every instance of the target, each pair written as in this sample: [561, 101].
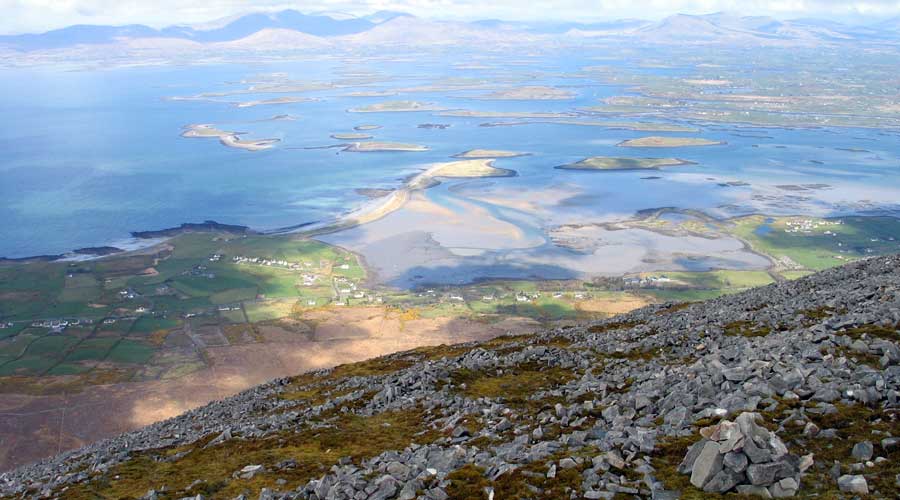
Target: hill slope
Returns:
[603, 409]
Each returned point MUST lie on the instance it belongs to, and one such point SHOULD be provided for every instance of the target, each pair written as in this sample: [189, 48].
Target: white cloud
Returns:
[21, 16]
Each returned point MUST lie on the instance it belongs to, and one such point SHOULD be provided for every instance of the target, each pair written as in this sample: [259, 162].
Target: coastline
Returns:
[369, 211]
[380, 207]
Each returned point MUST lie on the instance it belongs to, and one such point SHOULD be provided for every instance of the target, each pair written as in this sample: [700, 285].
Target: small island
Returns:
[373, 146]
[668, 142]
[489, 153]
[351, 137]
[608, 163]
[362, 128]
[529, 93]
[276, 100]
[230, 139]
[191, 227]
[371, 93]
[396, 107]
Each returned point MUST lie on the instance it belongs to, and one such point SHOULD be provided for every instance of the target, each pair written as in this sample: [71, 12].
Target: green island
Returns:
[614, 163]
[667, 142]
[396, 107]
[363, 128]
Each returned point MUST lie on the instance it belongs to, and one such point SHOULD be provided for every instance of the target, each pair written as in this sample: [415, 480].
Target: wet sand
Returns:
[454, 240]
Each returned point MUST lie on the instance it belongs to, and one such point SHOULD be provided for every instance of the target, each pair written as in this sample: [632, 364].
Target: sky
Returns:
[30, 16]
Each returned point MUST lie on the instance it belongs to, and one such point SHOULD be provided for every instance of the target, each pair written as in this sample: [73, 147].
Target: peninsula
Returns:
[230, 139]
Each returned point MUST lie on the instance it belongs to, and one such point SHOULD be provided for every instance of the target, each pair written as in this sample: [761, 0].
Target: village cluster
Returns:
[808, 226]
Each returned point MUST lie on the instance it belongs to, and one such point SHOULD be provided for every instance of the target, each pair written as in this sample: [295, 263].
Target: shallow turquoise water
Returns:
[89, 156]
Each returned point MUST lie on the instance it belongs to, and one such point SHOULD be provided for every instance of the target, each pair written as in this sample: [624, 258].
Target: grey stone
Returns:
[853, 484]
[863, 451]
[707, 465]
[249, 471]
[386, 487]
[784, 488]
[763, 474]
[736, 461]
[751, 490]
[567, 463]
[890, 444]
[723, 481]
[756, 454]
[693, 452]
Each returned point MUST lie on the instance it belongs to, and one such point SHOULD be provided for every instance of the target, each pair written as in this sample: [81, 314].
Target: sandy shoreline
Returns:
[379, 208]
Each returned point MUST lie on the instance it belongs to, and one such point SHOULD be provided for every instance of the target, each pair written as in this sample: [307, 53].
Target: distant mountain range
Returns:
[292, 28]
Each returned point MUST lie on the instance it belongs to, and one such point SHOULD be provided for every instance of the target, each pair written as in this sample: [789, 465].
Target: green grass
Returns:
[132, 352]
[817, 250]
[150, 324]
[233, 295]
[793, 275]
[12, 331]
[54, 345]
[198, 286]
[92, 349]
[272, 309]
[27, 365]
[68, 369]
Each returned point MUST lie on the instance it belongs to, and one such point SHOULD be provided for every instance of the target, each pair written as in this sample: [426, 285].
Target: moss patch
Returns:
[746, 329]
[515, 385]
[314, 451]
[874, 331]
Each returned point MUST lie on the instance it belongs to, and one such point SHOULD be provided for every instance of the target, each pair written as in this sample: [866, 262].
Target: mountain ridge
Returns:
[678, 28]
[596, 409]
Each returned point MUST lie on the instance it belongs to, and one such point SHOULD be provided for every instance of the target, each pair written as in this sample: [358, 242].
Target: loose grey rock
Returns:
[863, 451]
[853, 484]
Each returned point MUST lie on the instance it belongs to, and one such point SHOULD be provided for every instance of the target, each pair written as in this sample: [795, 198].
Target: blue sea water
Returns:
[88, 156]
